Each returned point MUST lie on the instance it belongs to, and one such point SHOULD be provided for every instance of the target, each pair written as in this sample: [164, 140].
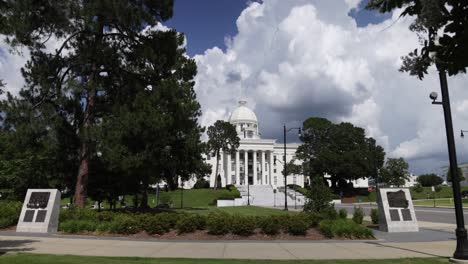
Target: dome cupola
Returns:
[245, 121]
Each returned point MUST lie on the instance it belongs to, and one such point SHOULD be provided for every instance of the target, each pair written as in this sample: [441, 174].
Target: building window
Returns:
[275, 180]
[274, 170]
[294, 179]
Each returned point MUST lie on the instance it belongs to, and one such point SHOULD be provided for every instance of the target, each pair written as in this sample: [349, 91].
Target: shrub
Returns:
[218, 223]
[313, 218]
[298, 227]
[343, 214]
[190, 223]
[344, 228]
[201, 184]
[126, 224]
[330, 213]
[374, 214]
[104, 227]
[78, 214]
[358, 215]
[269, 225]
[243, 225]
[78, 226]
[418, 188]
[106, 216]
[318, 197]
[9, 213]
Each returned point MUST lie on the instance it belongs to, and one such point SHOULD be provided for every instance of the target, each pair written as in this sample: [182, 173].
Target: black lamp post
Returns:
[248, 191]
[461, 252]
[285, 165]
[182, 195]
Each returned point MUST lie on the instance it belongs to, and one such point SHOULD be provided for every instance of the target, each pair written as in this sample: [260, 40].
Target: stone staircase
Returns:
[263, 195]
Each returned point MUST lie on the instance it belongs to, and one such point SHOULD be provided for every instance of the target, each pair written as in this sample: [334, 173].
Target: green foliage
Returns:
[395, 172]
[190, 223]
[374, 214]
[222, 136]
[243, 225]
[218, 223]
[298, 227]
[417, 188]
[201, 184]
[127, 225]
[344, 228]
[358, 215]
[270, 225]
[318, 197]
[9, 213]
[77, 226]
[342, 213]
[428, 180]
[460, 175]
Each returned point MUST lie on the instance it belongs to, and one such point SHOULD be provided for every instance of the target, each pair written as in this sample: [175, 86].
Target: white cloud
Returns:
[296, 59]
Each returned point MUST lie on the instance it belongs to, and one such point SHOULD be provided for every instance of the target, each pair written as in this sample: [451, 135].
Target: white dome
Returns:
[242, 113]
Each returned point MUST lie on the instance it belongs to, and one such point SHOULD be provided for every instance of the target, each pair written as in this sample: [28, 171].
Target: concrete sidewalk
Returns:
[330, 249]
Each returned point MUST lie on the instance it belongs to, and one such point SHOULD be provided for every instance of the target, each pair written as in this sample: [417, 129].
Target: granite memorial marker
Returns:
[396, 211]
[40, 211]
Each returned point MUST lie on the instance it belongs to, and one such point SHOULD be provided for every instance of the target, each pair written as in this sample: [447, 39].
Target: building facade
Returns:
[257, 161]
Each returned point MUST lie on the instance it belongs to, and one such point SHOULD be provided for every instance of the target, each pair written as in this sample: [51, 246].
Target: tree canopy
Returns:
[395, 172]
[460, 175]
[341, 150]
[428, 180]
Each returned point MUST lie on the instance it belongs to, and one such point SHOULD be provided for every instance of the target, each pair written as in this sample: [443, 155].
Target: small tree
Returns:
[222, 136]
[395, 172]
[460, 175]
[428, 180]
[318, 196]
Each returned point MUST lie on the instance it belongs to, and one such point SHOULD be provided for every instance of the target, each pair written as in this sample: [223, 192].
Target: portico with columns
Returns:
[254, 161]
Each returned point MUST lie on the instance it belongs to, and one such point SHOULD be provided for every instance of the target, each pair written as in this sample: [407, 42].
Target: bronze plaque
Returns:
[41, 215]
[29, 216]
[38, 200]
[394, 215]
[397, 199]
[406, 215]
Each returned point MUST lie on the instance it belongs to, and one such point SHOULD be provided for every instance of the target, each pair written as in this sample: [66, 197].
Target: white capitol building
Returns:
[254, 162]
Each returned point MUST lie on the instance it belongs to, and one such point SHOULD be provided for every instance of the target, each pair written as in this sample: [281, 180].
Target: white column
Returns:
[255, 174]
[237, 168]
[270, 169]
[263, 167]
[246, 167]
[229, 176]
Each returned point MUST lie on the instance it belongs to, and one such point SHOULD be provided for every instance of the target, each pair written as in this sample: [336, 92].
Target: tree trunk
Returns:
[85, 150]
[144, 197]
[216, 174]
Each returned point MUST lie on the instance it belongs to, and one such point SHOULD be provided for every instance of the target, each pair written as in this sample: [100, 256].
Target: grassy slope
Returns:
[51, 259]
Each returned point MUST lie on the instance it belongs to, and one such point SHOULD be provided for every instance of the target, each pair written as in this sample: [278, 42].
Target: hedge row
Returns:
[9, 213]
[219, 223]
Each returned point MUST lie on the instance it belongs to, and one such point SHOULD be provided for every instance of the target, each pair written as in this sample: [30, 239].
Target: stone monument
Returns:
[40, 211]
[396, 211]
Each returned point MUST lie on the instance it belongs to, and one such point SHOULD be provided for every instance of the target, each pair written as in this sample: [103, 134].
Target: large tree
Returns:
[340, 150]
[442, 20]
[460, 175]
[395, 172]
[428, 180]
[108, 51]
[222, 136]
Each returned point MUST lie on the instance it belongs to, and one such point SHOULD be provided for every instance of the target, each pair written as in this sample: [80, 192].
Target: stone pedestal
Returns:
[40, 211]
[396, 211]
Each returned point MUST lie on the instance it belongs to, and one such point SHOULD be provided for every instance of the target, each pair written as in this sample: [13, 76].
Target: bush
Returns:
[77, 226]
[78, 214]
[330, 213]
[418, 188]
[9, 213]
[298, 227]
[243, 225]
[201, 184]
[312, 218]
[344, 228]
[190, 223]
[218, 223]
[104, 227]
[358, 215]
[126, 224]
[318, 197]
[269, 225]
[374, 214]
[343, 214]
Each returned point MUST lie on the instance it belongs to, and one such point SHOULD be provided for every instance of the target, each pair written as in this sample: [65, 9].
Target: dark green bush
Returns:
[358, 215]
[126, 224]
[269, 225]
[298, 227]
[243, 225]
[77, 226]
[106, 216]
[78, 214]
[9, 213]
[374, 214]
[190, 223]
[201, 184]
[218, 223]
[342, 213]
[329, 213]
[104, 227]
[344, 228]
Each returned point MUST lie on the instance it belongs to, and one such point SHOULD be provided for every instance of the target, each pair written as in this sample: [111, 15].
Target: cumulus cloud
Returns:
[296, 59]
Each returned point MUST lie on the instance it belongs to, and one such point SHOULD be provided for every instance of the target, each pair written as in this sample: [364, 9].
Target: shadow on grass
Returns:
[15, 246]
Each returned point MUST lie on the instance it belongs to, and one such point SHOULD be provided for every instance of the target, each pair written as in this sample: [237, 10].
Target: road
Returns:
[428, 214]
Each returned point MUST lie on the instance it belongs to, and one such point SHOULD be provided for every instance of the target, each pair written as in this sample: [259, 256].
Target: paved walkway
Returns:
[89, 246]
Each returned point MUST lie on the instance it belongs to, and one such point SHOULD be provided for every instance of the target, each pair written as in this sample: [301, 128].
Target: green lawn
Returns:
[52, 259]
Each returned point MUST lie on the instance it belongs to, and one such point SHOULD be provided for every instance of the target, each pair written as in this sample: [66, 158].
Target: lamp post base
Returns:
[461, 252]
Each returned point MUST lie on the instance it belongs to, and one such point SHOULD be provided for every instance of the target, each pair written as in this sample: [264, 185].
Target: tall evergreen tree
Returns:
[109, 51]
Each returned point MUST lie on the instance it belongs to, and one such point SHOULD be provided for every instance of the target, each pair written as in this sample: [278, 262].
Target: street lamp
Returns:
[182, 195]
[461, 252]
[285, 164]
[461, 133]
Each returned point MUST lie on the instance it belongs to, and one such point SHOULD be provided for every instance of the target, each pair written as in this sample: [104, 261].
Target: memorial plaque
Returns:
[394, 215]
[29, 216]
[40, 212]
[41, 215]
[38, 200]
[397, 199]
[406, 213]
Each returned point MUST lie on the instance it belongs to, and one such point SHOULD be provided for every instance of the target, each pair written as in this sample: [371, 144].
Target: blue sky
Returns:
[207, 22]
